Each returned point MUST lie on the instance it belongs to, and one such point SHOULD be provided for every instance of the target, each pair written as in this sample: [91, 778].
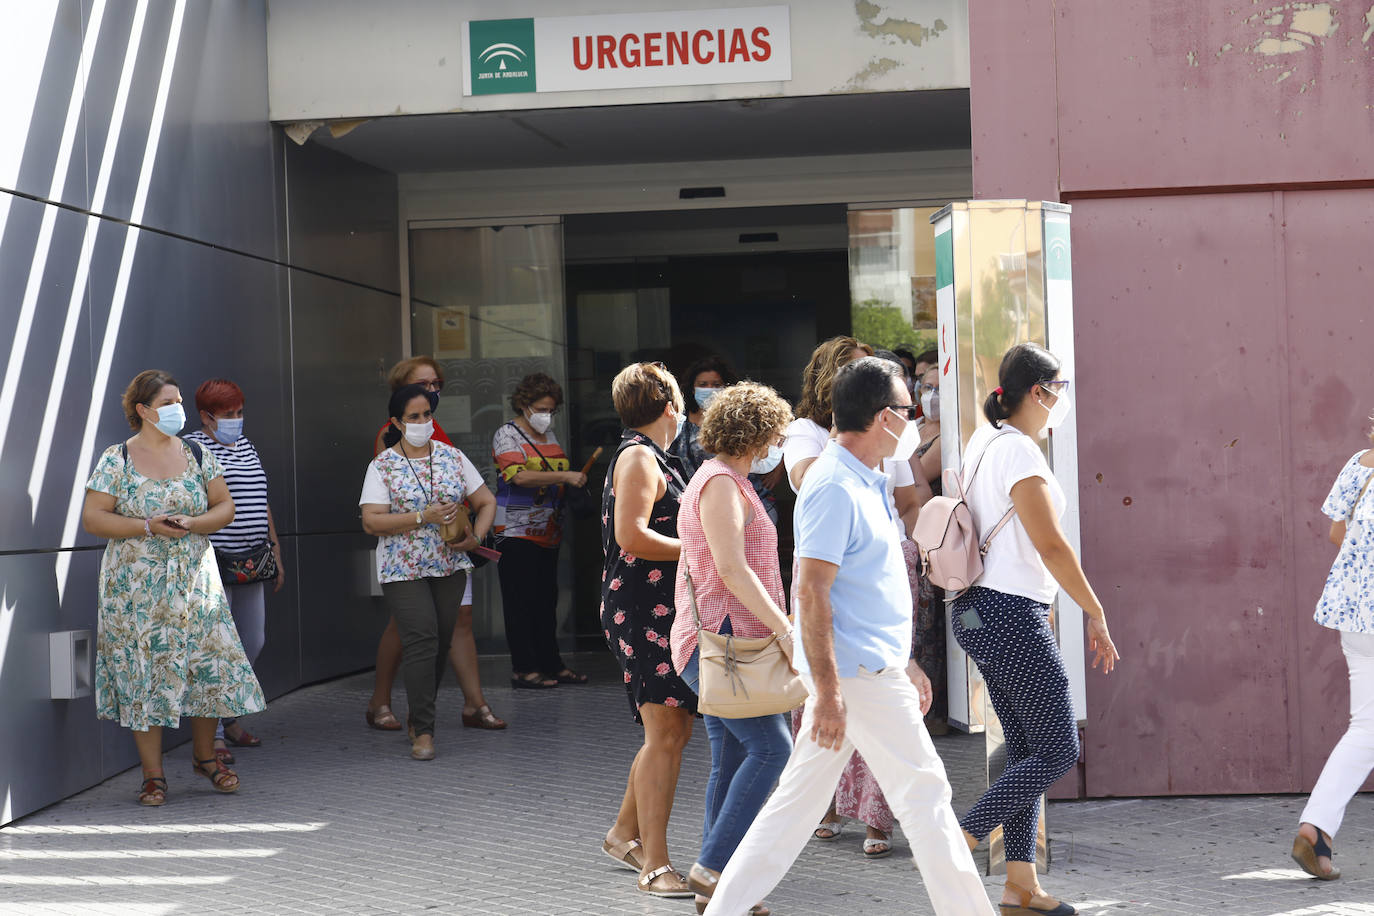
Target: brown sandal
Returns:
[1305, 853]
[222, 778]
[626, 854]
[664, 882]
[154, 792]
[483, 717]
[382, 719]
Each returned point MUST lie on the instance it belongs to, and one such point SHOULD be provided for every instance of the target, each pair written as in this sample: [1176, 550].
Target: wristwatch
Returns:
[419, 519]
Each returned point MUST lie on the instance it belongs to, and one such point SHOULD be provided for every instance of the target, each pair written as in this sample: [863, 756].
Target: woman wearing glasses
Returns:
[1003, 622]
[425, 372]
[532, 471]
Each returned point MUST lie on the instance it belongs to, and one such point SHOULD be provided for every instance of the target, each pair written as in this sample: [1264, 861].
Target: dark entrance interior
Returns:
[757, 286]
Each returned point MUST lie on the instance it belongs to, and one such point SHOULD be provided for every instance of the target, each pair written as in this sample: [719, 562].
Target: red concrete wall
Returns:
[1221, 228]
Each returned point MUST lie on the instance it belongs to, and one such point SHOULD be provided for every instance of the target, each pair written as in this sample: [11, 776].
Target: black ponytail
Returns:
[396, 408]
[1023, 367]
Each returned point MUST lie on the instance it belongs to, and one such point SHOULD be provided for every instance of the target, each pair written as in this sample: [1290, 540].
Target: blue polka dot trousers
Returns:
[1010, 639]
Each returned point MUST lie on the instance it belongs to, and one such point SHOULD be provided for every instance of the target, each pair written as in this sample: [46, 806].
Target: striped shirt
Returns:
[247, 483]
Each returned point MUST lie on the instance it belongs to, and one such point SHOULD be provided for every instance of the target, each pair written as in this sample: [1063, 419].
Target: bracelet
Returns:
[147, 531]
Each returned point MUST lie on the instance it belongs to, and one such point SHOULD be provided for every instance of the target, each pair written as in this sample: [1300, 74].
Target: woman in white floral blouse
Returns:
[1347, 605]
[167, 646]
[415, 485]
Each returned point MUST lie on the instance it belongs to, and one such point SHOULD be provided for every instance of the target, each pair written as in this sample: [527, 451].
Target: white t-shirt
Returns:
[805, 439]
[1012, 564]
[375, 492]
[898, 475]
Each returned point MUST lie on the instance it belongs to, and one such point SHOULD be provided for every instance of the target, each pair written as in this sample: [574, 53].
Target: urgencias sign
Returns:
[627, 51]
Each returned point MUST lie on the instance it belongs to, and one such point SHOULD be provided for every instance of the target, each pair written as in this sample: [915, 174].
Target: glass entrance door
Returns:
[486, 300]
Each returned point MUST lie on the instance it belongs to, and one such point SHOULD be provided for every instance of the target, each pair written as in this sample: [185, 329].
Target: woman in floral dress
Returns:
[639, 534]
[166, 644]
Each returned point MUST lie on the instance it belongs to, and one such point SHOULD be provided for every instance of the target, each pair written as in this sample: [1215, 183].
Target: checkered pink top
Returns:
[714, 600]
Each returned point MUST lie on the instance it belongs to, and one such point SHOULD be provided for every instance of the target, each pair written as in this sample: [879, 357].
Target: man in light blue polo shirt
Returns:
[854, 628]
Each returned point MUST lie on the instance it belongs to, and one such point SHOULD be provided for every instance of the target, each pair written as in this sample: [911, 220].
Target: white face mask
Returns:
[1058, 412]
[681, 420]
[930, 405]
[766, 464]
[907, 441]
[540, 422]
[417, 434]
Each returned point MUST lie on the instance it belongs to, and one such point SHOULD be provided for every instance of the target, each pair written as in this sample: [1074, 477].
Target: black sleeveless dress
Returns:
[637, 594]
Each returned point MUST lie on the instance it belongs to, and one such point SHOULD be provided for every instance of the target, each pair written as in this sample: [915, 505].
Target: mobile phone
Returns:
[487, 552]
[173, 523]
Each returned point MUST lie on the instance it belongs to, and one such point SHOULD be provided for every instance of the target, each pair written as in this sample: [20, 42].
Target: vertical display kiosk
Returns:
[1003, 276]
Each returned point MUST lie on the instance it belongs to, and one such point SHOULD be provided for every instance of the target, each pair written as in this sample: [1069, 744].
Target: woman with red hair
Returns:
[251, 535]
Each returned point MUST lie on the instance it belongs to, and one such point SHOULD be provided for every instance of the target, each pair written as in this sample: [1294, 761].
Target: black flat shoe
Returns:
[533, 681]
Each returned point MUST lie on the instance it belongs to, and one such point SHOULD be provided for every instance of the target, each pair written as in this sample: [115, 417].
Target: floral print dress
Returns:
[637, 594]
[166, 644]
[1347, 601]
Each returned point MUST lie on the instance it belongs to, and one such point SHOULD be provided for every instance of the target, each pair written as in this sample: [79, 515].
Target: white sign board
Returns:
[627, 50]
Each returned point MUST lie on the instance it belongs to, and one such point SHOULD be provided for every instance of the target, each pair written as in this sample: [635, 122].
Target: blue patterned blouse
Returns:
[1347, 601]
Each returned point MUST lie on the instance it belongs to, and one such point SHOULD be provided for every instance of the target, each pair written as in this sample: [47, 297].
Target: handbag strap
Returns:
[964, 485]
[516, 427]
[691, 593]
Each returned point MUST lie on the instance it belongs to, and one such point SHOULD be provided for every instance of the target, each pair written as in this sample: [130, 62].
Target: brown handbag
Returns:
[742, 677]
[456, 530]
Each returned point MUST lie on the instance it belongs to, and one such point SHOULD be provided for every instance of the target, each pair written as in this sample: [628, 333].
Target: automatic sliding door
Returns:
[487, 302]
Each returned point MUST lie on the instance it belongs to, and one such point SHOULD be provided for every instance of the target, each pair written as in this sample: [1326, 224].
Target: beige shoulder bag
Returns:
[741, 677]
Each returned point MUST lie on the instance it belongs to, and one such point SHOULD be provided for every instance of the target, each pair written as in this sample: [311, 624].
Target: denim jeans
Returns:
[747, 756]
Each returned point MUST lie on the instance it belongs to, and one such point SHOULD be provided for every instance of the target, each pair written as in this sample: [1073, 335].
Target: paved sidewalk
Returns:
[336, 818]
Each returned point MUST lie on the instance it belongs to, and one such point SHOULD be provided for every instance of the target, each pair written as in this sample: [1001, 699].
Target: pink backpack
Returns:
[947, 538]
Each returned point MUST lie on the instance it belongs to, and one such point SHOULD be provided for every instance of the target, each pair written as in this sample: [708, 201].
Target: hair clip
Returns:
[997, 391]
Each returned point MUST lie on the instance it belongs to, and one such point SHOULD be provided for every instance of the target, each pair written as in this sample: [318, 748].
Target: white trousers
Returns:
[883, 721]
[1353, 756]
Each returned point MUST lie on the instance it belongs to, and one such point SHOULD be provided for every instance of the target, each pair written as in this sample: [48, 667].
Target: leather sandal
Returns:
[569, 676]
[664, 882]
[1305, 853]
[223, 753]
[532, 681]
[758, 909]
[245, 739]
[627, 854]
[483, 717]
[221, 777]
[153, 794]
[703, 880]
[382, 719]
[420, 749]
[1024, 908]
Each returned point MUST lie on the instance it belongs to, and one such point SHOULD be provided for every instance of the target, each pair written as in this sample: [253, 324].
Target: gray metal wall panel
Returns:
[191, 308]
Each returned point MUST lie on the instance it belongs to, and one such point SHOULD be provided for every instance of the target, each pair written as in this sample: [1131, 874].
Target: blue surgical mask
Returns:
[170, 419]
[704, 396]
[228, 430]
[766, 464]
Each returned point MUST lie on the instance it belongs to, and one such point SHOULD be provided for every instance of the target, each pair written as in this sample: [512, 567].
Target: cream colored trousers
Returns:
[883, 722]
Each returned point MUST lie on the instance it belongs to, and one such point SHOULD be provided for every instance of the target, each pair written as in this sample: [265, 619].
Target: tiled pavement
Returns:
[334, 817]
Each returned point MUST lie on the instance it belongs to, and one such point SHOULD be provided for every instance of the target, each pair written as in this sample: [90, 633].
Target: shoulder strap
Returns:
[968, 482]
[196, 452]
[515, 426]
[691, 592]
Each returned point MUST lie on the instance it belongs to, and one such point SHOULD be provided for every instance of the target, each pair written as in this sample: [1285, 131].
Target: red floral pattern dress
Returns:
[637, 594]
